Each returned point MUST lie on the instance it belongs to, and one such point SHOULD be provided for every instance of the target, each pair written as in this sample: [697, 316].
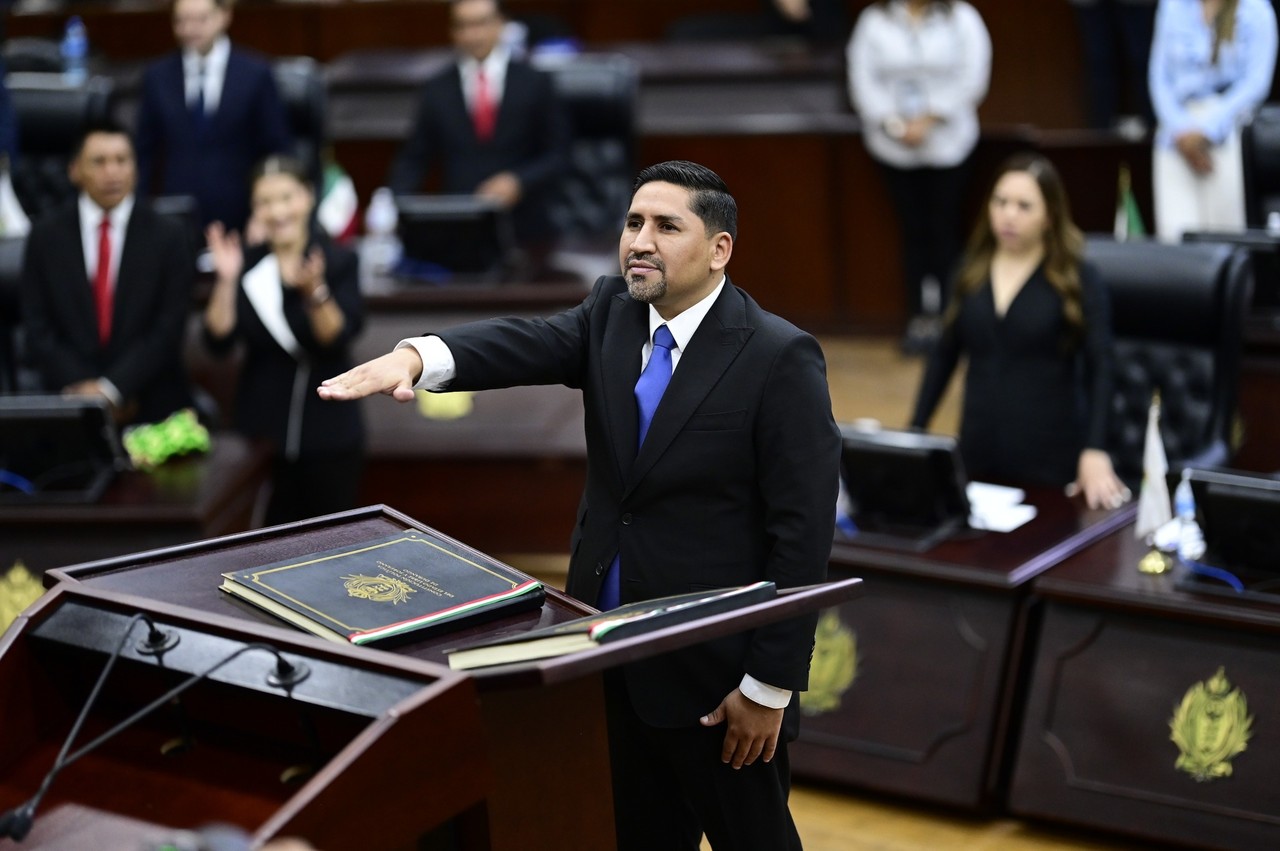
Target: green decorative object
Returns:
[151, 445]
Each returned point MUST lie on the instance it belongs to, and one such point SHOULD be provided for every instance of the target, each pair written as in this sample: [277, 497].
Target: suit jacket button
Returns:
[626, 519]
[599, 569]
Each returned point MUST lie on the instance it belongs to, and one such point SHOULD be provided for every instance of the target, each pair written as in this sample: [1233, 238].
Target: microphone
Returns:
[16, 823]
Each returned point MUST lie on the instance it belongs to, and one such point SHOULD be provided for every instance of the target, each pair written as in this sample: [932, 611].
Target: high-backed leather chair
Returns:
[599, 93]
[51, 116]
[1260, 152]
[1177, 318]
[27, 54]
[10, 274]
[301, 83]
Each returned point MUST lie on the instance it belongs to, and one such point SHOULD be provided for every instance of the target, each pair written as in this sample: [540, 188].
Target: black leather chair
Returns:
[11, 249]
[301, 82]
[30, 54]
[51, 115]
[599, 93]
[1177, 316]
[1260, 152]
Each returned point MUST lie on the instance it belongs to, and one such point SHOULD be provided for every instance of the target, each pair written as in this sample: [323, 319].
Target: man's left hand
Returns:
[752, 729]
[503, 187]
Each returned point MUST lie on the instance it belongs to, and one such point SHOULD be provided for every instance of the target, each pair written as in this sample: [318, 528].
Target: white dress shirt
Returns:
[901, 67]
[495, 75]
[215, 73]
[90, 222]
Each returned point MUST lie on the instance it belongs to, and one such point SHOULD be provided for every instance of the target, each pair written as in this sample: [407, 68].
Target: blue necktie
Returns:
[649, 389]
[197, 103]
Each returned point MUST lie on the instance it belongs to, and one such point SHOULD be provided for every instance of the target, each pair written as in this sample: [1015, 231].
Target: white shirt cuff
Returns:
[108, 387]
[438, 368]
[763, 694]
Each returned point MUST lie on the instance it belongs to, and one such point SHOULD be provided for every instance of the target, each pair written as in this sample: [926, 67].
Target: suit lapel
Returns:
[127, 278]
[512, 94]
[73, 271]
[712, 349]
[620, 367]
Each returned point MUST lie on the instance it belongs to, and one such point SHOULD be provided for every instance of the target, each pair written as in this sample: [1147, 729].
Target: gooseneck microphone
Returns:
[16, 823]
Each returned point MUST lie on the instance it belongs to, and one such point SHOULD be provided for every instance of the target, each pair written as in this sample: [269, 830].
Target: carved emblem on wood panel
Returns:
[19, 588]
[1210, 727]
[834, 668]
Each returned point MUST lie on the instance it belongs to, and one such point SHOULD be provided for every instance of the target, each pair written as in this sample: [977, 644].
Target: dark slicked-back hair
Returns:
[109, 126]
[709, 197]
[281, 164]
[499, 5]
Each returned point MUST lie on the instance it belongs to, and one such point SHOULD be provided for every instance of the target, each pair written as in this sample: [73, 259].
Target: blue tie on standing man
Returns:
[735, 482]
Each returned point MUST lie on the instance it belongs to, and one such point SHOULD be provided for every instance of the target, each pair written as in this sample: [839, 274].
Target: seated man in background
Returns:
[106, 284]
[493, 123]
[208, 113]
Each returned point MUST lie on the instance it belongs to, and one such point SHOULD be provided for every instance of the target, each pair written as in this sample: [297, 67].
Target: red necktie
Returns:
[483, 112]
[102, 281]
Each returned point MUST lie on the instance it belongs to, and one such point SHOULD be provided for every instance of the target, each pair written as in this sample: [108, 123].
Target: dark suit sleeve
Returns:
[272, 121]
[798, 458]
[58, 362]
[152, 353]
[937, 374]
[343, 279]
[414, 158]
[1098, 354]
[552, 131]
[147, 133]
[8, 120]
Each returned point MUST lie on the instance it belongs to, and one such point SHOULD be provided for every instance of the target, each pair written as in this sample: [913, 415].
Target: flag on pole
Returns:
[338, 207]
[1128, 223]
[1154, 509]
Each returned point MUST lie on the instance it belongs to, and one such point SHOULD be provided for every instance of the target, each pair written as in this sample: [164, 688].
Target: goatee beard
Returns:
[643, 290]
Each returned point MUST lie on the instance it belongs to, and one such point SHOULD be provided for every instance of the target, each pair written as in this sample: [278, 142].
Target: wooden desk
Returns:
[184, 500]
[1118, 654]
[935, 647]
[544, 720]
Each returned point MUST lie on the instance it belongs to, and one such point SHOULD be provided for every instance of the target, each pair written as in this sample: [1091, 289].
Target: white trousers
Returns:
[1186, 201]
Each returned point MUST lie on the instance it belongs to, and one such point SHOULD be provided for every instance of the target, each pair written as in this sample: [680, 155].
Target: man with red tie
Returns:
[492, 123]
[106, 284]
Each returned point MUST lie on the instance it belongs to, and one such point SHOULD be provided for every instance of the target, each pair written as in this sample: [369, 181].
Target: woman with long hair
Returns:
[294, 302]
[1033, 320]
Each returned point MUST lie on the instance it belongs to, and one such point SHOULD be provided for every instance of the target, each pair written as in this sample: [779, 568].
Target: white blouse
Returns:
[900, 67]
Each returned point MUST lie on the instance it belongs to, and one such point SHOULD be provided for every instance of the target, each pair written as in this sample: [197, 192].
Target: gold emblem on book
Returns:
[834, 668]
[379, 589]
[1210, 727]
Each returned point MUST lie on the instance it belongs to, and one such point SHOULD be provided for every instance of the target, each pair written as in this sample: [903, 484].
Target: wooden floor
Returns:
[870, 378]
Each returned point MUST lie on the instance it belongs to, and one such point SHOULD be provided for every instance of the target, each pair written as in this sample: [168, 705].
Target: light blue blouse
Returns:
[1181, 72]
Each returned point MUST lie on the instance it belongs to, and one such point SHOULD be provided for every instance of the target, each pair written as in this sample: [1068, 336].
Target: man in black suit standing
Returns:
[492, 122]
[106, 284]
[208, 113]
[734, 481]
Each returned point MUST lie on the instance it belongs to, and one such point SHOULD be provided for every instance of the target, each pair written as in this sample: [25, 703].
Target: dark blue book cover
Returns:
[386, 587]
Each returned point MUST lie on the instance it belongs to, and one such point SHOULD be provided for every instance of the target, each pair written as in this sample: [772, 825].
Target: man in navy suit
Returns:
[106, 284]
[492, 122]
[208, 113]
[733, 482]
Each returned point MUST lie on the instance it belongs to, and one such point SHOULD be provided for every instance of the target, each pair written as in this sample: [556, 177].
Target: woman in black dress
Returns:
[295, 303]
[1033, 320]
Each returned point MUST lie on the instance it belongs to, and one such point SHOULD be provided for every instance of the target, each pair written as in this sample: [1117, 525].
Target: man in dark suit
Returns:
[734, 481]
[106, 284]
[208, 113]
[492, 122]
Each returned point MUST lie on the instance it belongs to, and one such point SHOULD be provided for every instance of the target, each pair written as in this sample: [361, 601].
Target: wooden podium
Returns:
[325, 758]
[543, 722]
